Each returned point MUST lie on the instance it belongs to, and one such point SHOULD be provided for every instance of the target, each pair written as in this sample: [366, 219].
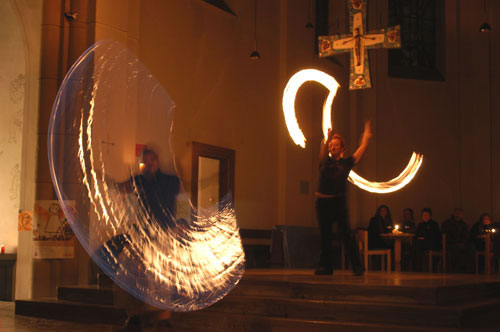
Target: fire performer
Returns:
[331, 201]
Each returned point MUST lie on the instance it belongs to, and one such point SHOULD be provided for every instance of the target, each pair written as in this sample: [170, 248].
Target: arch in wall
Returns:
[19, 85]
[12, 99]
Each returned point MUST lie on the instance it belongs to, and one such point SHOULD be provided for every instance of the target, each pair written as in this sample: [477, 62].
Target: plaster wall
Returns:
[223, 98]
[19, 98]
[12, 82]
[452, 122]
[200, 55]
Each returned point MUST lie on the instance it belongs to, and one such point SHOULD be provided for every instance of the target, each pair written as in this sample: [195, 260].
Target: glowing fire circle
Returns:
[289, 94]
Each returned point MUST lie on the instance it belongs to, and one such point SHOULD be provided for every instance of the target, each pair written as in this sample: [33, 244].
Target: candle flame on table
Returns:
[288, 102]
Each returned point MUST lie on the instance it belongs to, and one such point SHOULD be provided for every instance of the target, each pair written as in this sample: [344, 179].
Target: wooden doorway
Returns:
[212, 170]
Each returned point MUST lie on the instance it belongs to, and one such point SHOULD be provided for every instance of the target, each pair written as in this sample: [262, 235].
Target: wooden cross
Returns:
[358, 43]
[107, 144]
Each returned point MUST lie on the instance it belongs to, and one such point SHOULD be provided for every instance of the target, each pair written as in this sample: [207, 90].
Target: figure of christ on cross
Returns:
[357, 44]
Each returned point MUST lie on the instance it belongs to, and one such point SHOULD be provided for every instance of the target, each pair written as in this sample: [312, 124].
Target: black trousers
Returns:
[329, 211]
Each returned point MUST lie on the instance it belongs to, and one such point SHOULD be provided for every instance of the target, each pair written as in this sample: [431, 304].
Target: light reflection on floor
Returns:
[372, 278]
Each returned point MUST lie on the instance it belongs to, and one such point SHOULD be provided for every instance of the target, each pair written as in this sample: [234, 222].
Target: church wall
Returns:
[495, 106]
[223, 98]
[474, 110]
[308, 106]
[450, 122]
[119, 21]
[12, 82]
[63, 42]
[302, 164]
[20, 79]
[200, 55]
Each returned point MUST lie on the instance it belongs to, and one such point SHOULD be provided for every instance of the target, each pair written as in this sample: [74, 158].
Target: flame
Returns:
[187, 266]
[290, 92]
[297, 136]
[198, 259]
[392, 185]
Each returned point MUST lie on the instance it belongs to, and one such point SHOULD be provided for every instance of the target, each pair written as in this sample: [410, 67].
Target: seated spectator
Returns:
[427, 237]
[408, 222]
[458, 253]
[477, 241]
[482, 226]
[380, 223]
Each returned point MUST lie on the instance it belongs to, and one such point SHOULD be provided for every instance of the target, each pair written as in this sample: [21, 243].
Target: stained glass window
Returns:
[422, 39]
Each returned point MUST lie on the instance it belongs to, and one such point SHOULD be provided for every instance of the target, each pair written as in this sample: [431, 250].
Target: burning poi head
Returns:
[289, 94]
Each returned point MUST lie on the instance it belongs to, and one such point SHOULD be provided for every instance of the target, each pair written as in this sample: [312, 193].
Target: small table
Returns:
[397, 237]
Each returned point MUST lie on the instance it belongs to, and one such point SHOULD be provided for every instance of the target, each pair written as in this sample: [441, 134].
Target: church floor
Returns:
[9, 322]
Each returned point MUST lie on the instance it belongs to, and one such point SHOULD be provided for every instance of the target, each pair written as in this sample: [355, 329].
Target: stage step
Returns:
[373, 287]
[204, 321]
[53, 308]
[90, 294]
[294, 301]
[451, 316]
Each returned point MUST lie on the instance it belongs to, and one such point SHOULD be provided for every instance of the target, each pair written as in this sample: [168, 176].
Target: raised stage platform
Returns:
[297, 300]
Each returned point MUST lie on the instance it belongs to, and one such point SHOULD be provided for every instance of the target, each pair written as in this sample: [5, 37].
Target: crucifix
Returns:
[358, 43]
[107, 144]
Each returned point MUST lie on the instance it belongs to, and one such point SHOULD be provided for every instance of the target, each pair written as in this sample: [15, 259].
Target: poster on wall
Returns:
[52, 234]
[25, 221]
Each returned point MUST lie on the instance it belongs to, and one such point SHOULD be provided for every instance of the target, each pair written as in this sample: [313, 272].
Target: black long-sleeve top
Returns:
[430, 232]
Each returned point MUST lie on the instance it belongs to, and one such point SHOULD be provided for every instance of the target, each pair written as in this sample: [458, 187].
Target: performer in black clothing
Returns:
[156, 193]
[331, 204]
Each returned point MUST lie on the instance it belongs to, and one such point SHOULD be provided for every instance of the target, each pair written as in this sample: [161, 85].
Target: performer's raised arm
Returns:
[323, 150]
[365, 139]
[125, 187]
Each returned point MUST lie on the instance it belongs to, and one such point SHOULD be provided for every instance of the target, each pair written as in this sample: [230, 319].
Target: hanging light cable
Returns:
[255, 54]
[485, 27]
[309, 24]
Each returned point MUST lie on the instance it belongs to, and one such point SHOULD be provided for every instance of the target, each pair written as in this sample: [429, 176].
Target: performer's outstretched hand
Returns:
[365, 138]
[330, 134]
[367, 133]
